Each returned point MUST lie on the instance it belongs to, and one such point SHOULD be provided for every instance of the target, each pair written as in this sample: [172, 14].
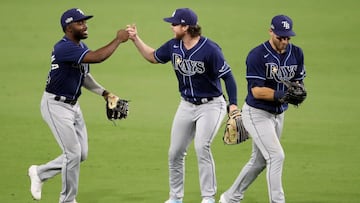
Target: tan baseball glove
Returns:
[235, 131]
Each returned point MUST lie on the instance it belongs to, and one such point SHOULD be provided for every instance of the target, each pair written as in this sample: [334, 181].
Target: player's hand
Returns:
[122, 35]
[132, 31]
[232, 108]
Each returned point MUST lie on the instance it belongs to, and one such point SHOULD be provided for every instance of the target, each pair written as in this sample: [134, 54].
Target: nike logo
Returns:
[265, 56]
[176, 46]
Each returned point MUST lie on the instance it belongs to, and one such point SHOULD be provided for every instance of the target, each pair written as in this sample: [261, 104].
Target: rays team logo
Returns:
[187, 67]
[285, 24]
[274, 72]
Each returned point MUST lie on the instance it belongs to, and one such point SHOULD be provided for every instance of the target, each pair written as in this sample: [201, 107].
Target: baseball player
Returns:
[69, 71]
[268, 65]
[199, 65]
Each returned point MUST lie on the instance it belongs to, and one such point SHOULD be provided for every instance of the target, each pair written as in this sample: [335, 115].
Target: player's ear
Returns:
[69, 27]
[66, 28]
[185, 27]
[272, 34]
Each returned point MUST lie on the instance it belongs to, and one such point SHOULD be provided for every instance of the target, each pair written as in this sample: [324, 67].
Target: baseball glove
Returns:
[116, 108]
[295, 94]
[235, 131]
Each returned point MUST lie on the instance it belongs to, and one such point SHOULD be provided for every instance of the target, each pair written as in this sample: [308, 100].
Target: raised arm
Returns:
[105, 52]
[145, 50]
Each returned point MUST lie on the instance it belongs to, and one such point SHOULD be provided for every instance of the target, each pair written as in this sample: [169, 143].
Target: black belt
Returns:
[199, 101]
[65, 100]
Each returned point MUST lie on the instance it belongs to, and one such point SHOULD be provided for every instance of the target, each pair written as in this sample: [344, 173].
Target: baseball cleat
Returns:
[173, 201]
[208, 200]
[36, 183]
[222, 199]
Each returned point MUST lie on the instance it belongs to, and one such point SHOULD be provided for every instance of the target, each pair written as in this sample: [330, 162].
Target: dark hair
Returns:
[194, 30]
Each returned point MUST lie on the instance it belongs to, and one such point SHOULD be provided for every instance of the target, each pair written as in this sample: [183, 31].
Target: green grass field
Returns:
[128, 163]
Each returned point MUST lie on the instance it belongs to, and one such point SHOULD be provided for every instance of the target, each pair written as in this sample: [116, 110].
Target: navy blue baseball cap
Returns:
[73, 15]
[282, 26]
[183, 16]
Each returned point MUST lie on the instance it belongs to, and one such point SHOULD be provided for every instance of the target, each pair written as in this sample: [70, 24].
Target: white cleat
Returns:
[222, 199]
[208, 200]
[36, 183]
[173, 201]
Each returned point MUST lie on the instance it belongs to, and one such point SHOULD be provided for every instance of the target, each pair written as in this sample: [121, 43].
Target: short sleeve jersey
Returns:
[198, 69]
[67, 72]
[267, 68]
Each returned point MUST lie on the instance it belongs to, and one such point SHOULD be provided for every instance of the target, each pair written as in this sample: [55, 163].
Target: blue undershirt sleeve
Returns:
[231, 88]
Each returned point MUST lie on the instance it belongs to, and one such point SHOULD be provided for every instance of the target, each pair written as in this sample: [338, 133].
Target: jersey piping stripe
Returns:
[223, 74]
[301, 78]
[184, 79]
[279, 64]
[202, 44]
[228, 70]
[82, 56]
[277, 59]
[79, 61]
[157, 58]
[288, 56]
[181, 48]
[183, 55]
[191, 87]
[190, 81]
[78, 86]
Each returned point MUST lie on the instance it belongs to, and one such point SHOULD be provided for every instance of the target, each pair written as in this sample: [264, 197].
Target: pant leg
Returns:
[265, 129]
[208, 121]
[81, 132]
[61, 119]
[247, 175]
[53, 167]
[50, 169]
[182, 133]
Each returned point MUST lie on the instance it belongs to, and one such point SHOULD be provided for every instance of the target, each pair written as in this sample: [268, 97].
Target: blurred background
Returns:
[128, 162]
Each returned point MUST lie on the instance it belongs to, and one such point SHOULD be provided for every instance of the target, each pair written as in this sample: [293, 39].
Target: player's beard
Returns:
[179, 35]
[81, 34]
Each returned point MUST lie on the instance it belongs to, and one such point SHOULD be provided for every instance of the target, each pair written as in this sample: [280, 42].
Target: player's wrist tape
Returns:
[105, 94]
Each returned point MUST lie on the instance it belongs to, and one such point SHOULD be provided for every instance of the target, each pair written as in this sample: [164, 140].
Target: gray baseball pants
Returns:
[68, 127]
[265, 129]
[199, 123]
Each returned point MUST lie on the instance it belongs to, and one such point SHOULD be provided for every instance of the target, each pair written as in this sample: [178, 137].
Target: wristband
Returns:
[278, 94]
[105, 94]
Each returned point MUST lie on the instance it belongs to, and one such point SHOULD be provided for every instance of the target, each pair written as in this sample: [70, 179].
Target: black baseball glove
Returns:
[295, 94]
[116, 108]
[235, 131]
